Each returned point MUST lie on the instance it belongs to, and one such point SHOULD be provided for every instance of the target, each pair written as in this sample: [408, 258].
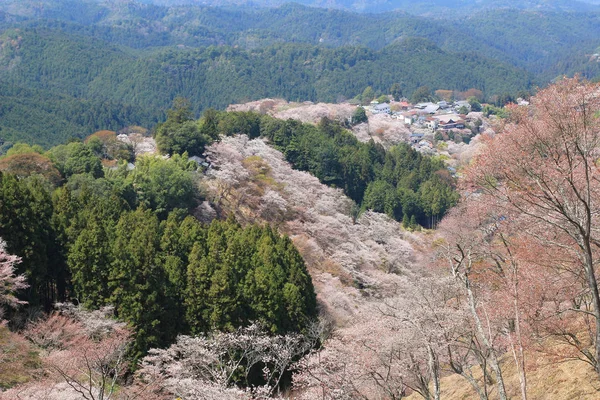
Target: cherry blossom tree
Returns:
[9, 282]
[84, 356]
[543, 168]
[212, 366]
[464, 247]
[424, 318]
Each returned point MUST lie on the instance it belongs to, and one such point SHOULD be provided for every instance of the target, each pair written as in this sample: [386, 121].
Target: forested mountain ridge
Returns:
[131, 238]
[118, 50]
[108, 76]
[435, 7]
[507, 33]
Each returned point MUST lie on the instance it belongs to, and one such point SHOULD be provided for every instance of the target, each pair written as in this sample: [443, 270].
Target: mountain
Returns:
[435, 8]
[545, 43]
[143, 84]
[140, 56]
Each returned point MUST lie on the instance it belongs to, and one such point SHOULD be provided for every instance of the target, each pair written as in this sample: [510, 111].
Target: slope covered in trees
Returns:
[401, 182]
[506, 282]
[117, 52]
[127, 238]
[455, 8]
[555, 36]
[47, 118]
[121, 84]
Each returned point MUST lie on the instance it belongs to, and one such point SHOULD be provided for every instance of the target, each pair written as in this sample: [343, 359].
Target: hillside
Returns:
[566, 381]
[120, 84]
[262, 267]
[526, 36]
[433, 8]
[216, 56]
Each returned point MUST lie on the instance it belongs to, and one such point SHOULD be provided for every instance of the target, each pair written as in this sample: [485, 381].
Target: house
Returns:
[451, 124]
[409, 117]
[431, 123]
[443, 104]
[422, 106]
[431, 109]
[383, 108]
[405, 105]
[196, 159]
[200, 161]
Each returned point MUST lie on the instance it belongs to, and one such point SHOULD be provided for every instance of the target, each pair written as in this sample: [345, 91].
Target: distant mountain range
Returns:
[85, 64]
[434, 8]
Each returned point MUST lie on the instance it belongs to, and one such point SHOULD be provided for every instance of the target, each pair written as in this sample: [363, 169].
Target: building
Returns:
[383, 108]
[451, 124]
[431, 123]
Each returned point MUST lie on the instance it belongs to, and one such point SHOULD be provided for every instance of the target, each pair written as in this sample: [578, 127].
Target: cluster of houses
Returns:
[432, 117]
[435, 116]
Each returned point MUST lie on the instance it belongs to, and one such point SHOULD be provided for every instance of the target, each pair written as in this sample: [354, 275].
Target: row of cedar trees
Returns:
[126, 238]
[524, 242]
[400, 182]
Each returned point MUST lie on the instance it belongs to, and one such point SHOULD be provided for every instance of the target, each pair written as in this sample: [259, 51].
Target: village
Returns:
[430, 122]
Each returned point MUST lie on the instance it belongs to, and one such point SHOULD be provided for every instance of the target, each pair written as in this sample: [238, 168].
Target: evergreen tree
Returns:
[26, 225]
[199, 273]
[89, 261]
[396, 91]
[359, 116]
[137, 280]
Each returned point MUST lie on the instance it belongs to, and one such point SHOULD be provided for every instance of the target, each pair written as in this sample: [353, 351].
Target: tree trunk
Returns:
[434, 368]
[520, 359]
[593, 285]
[492, 357]
[469, 377]
[482, 394]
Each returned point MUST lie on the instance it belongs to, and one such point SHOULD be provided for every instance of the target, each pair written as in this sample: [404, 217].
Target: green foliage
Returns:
[76, 158]
[88, 260]
[179, 133]
[474, 103]
[489, 109]
[421, 95]
[26, 225]
[46, 100]
[381, 196]
[163, 185]
[359, 116]
[164, 272]
[136, 281]
[24, 148]
[385, 181]
[367, 95]
[123, 67]
[383, 99]
[396, 91]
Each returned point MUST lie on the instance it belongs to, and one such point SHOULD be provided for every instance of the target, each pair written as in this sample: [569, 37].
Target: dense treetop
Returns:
[117, 52]
[75, 84]
[399, 182]
[126, 237]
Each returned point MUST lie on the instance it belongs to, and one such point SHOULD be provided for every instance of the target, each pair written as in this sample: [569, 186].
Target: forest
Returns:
[168, 305]
[89, 229]
[127, 238]
[116, 52]
[116, 86]
[249, 257]
[400, 182]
